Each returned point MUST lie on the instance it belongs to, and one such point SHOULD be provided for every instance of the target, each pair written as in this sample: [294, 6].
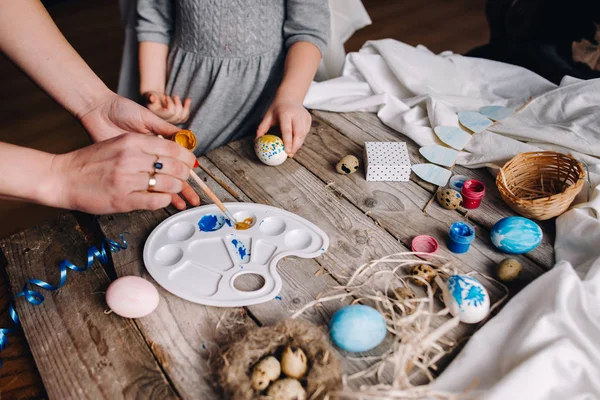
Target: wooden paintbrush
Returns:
[210, 193]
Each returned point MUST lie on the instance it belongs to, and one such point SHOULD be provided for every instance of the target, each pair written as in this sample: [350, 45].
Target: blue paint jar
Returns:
[460, 237]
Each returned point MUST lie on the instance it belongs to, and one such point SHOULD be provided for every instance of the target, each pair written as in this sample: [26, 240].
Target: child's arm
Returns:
[153, 75]
[154, 30]
[306, 33]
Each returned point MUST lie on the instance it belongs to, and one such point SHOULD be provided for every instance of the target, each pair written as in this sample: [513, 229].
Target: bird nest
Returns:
[234, 364]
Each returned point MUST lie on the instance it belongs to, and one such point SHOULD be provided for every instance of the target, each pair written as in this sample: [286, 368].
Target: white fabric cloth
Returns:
[413, 90]
[545, 343]
[347, 16]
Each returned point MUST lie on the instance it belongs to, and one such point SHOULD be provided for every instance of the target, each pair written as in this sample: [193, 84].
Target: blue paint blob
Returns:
[278, 297]
[357, 328]
[241, 250]
[516, 235]
[211, 222]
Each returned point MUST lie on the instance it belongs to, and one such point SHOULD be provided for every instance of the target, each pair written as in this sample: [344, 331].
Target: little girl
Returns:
[242, 66]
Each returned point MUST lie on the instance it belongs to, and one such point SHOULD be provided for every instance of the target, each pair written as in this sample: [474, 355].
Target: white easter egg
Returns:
[270, 150]
[132, 297]
[467, 298]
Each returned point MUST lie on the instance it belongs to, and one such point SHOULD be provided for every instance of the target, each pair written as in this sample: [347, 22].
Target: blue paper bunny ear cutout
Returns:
[496, 113]
[474, 121]
[432, 173]
[439, 155]
[453, 136]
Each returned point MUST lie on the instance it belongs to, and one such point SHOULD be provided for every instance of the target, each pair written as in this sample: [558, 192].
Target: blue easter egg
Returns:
[516, 235]
[357, 328]
[467, 298]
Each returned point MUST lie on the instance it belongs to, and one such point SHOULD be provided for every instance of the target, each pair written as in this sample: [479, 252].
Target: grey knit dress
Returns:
[228, 56]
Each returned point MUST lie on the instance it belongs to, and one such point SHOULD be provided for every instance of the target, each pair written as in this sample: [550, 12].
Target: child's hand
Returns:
[169, 109]
[294, 122]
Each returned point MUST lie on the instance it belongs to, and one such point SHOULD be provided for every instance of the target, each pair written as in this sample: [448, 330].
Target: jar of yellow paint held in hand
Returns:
[185, 138]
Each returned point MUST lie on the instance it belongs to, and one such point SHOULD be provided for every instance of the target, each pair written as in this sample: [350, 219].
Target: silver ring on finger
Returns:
[151, 183]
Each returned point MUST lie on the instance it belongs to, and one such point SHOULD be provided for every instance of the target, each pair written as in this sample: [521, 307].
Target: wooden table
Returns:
[80, 351]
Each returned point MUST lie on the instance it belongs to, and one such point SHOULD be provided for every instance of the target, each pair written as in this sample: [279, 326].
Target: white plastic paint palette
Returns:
[197, 255]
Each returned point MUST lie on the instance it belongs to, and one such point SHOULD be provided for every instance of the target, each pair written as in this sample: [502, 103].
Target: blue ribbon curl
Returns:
[36, 298]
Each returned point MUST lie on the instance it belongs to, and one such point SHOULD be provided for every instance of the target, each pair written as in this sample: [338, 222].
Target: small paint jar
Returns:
[424, 244]
[472, 192]
[185, 138]
[460, 236]
[457, 182]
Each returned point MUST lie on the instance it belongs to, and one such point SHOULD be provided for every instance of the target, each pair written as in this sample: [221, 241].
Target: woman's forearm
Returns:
[153, 67]
[301, 66]
[30, 38]
[27, 174]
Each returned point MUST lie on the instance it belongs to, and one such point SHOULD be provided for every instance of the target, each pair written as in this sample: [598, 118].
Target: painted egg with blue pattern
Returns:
[516, 235]
[357, 328]
[270, 150]
[467, 299]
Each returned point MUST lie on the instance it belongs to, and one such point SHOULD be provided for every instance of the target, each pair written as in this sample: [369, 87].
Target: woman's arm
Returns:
[107, 177]
[30, 38]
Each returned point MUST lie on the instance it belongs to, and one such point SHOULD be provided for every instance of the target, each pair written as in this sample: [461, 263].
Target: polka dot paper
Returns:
[387, 161]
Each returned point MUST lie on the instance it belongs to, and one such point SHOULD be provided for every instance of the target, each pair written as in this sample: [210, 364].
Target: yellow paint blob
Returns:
[245, 224]
[185, 138]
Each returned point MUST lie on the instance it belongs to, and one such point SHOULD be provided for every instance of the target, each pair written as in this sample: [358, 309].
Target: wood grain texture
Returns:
[181, 333]
[19, 378]
[361, 127]
[397, 206]
[79, 350]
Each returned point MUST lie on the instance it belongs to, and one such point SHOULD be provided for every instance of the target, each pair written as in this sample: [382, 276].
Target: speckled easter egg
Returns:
[467, 298]
[423, 271]
[449, 199]
[270, 150]
[516, 235]
[357, 328]
[132, 297]
[509, 270]
[347, 165]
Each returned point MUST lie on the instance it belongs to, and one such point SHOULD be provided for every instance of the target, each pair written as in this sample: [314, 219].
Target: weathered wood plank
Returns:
[301, 285]
[79, 350]
[361, 127]
[19, 377]
[178, 330]
[354, 237]
[397, 205]
[180, 333]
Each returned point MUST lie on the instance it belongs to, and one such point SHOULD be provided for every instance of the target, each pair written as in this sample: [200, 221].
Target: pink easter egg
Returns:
[132, 297]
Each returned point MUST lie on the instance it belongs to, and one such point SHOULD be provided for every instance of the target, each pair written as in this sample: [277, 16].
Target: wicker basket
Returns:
[540, 185]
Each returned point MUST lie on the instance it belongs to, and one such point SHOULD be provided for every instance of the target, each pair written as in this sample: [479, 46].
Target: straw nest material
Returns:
[234, 365]
[540, 185]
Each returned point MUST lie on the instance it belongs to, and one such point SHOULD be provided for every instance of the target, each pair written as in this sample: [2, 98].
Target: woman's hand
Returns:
[294, 122]
[169, 109]
[113, 115]
[113, 175]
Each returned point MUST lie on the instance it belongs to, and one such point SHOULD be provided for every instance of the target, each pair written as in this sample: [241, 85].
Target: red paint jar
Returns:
[472, 192]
